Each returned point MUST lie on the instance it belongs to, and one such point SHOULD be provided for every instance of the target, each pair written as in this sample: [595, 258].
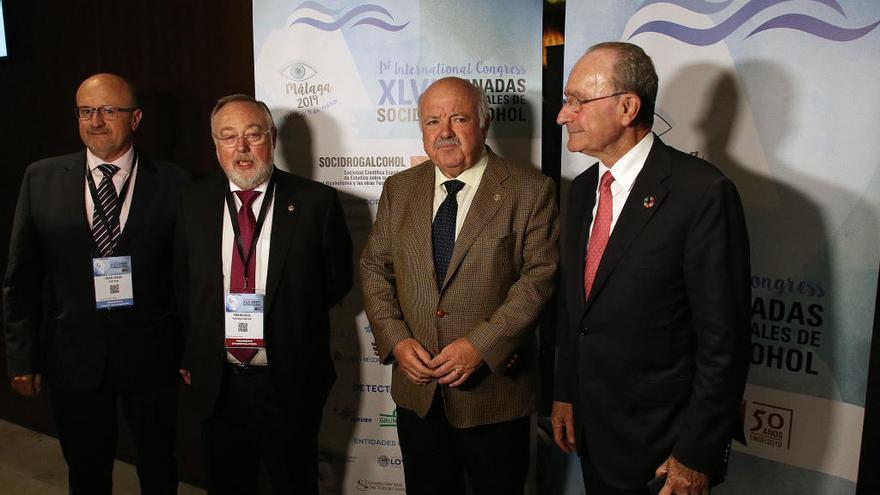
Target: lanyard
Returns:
[123, 193]
[236, 228]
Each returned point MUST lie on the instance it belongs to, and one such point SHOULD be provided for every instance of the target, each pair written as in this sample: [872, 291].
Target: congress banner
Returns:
[781, 96]
[342, 78]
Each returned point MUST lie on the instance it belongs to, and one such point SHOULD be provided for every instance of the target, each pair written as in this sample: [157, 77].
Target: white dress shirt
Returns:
[125, 164]
[261, 252]
[471, 178]
[624, 172]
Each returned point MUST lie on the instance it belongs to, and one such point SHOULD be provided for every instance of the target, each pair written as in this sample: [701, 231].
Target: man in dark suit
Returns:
[456, 271]
[88, 300]
[263, 256]
[654, 337]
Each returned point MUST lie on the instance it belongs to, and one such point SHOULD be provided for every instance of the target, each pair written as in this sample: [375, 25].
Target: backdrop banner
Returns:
[343, 79]
[781, 96]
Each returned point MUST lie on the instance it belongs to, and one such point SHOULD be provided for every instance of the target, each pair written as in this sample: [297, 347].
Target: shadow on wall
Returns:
[789, 239]
[296, 154]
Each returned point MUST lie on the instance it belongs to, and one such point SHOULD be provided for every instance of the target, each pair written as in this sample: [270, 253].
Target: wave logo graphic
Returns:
[709, 36]
[366, 14]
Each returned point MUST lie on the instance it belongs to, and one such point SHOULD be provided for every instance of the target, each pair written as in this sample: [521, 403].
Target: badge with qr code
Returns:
[112, 277]
[244, 320]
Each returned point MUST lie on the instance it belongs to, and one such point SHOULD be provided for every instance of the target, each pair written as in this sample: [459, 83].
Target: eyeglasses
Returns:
[107, 112]
[576, 103]
[252, 138]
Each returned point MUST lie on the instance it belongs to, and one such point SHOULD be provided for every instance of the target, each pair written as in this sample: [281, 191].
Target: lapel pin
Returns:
[497, 197]
[291, 208]
[648, 201]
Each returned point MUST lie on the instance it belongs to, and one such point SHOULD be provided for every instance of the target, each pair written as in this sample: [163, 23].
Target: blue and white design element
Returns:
[348, 16]
[781, 96]
[735, 20]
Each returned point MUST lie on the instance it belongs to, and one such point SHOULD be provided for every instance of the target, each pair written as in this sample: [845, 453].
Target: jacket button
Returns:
[583, 331]
[440, 313]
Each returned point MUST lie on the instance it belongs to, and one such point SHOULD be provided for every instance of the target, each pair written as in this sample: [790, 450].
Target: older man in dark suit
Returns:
[263, 255]
[88, 299]
[654, 336]
[457, 268]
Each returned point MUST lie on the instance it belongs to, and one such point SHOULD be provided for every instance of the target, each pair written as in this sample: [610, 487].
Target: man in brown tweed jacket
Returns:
[458, 266]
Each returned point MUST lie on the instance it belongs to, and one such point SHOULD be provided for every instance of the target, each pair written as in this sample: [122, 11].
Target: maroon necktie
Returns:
[237, 280]
[600, 233]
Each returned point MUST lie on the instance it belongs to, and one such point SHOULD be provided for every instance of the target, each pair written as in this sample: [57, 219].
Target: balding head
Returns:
[108, 135]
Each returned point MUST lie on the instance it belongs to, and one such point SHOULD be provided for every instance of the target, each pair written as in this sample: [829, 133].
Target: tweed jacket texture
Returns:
[500, 276]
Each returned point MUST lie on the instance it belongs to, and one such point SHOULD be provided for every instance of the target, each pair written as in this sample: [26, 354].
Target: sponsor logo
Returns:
[384, 442]
[355, 358]
[383, 486]
[349, 415]
[769, 425]
[389, 462]
[388, 419]
[372, 388]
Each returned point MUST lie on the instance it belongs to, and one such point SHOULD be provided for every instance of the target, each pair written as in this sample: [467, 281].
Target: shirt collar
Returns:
[470, 177]
[124, 162]
[628, 167]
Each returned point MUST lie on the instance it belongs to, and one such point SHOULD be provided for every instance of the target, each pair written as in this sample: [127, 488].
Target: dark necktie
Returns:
[237, 281]
[600, 233]
[105, 228]
[443, 230]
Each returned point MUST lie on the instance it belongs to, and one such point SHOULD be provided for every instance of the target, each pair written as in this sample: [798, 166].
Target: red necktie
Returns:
[237, 281]
[246, 223]
[600, 233]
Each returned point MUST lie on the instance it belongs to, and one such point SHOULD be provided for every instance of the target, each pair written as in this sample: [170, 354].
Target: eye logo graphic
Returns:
[297, 71]
[709, 36]
[371, 19]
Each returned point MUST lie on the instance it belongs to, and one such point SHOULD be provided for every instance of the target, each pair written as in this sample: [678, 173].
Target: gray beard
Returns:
[251, 181]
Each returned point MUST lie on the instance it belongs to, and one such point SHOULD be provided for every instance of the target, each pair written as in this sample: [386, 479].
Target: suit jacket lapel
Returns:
[142, 195]
[73, 201]
[635, 214]
[488, 198]
[419, 222]
[285, 214]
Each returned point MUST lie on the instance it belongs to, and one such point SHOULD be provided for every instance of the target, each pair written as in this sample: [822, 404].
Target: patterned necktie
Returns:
[237, 281]
[443, 230]
[105, 228]
[600, 233]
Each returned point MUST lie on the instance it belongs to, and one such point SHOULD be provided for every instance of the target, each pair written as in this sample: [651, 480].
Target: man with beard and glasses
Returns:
[257, 354]
[457, 268]
[88, 300]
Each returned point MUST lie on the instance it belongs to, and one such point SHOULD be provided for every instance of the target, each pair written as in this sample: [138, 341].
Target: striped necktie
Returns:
[105, 221]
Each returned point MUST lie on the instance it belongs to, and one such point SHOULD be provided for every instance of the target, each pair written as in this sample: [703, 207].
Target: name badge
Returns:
[244, 320]
[113, 287]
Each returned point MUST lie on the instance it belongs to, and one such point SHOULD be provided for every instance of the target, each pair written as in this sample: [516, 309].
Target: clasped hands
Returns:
[453, 366]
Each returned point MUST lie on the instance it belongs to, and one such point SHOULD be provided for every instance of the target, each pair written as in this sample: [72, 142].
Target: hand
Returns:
[562, 419]
[456, 363]
[682, 480]
[187, 379]
[414, 360]
[27, 385]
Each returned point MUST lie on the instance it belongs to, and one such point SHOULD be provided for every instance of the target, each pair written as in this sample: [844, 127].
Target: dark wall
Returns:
[181, 56]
